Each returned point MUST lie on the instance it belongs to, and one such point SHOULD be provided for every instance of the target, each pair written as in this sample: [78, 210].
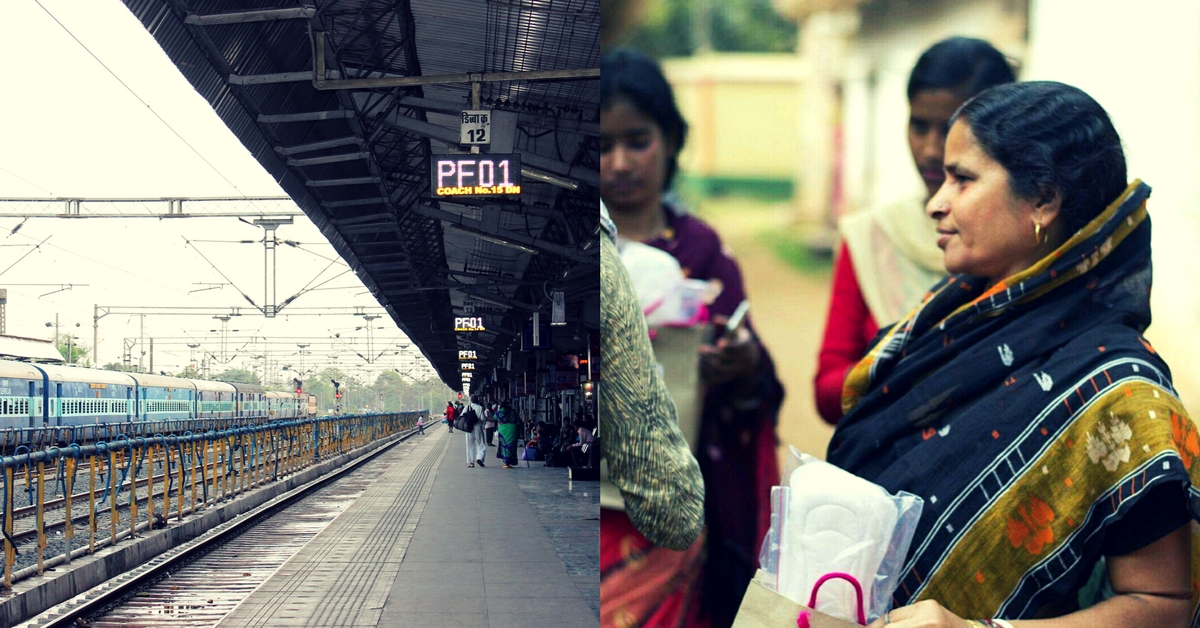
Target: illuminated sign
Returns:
[466, 377]
[475, 175]
[469, 323]
[468, 366]
[468, 354]
[475, 127]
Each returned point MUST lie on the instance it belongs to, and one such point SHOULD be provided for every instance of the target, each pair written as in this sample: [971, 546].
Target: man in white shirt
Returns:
[476, 445]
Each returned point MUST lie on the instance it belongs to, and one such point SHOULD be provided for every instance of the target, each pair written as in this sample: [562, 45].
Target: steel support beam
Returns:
[357, 180]
[466, 225]
[353, 203]
[241, 17]
[314, 146]
[146, 207]
[451, 79]
[310, 116]
[329, 159]
[267, 79]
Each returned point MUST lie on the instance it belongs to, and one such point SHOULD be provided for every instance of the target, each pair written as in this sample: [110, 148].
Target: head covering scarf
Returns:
[1030, 415]
[895, 255]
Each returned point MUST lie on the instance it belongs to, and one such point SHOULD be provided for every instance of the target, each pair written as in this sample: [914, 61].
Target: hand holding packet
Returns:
[827, 520]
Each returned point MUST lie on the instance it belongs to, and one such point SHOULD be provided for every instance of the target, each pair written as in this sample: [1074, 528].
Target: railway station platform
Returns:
[433, 543]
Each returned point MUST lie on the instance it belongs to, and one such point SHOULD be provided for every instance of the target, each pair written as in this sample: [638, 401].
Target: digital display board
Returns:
[466, 355]
[468, 366]
[475, 175]
[469, 323]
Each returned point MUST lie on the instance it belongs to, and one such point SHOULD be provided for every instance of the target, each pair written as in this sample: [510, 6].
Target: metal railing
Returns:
[184, 472]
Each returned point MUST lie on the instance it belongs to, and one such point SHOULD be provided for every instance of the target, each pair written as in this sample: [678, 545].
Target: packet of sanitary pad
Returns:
[668, 298]
[826, 520]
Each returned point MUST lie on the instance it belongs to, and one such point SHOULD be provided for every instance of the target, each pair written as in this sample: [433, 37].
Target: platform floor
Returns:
[433, 543]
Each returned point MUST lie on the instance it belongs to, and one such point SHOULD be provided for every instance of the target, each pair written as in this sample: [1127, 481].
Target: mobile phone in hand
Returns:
[738, 318]
[736, 321]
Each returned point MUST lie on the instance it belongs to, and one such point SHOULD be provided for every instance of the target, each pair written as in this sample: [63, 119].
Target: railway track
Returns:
[199, 583]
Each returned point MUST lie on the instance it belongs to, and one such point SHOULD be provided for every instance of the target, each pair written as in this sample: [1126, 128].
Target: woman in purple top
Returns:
[641, 134]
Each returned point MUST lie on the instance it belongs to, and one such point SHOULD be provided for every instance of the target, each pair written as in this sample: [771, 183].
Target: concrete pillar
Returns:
[827, 30]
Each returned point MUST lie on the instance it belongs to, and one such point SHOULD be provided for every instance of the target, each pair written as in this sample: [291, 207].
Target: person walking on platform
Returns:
[450, 416]
[489, 423]
[506, 427]
[421, 424]
[476, 447]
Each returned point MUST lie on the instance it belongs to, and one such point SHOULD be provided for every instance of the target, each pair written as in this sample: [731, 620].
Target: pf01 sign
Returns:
[469, 323]
[475, 175]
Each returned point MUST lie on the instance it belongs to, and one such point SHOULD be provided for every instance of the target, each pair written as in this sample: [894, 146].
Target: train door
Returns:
[33, 409]
[56, 419]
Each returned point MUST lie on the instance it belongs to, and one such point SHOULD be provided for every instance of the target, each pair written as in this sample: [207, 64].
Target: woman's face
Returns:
[633, 159]
[928, 123]
[983, 228]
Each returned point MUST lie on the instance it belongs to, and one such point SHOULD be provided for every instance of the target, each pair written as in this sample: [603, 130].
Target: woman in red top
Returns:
[889, 255]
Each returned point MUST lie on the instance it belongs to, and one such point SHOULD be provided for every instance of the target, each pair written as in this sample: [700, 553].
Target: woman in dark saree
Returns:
[506, 430]
[1021, 401]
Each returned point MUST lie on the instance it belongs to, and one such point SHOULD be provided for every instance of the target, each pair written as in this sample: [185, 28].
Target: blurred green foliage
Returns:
[791, 248]
[668, 28]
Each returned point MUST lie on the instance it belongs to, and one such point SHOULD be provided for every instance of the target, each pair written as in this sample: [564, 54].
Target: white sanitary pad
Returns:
[667, 297]
[833, 522]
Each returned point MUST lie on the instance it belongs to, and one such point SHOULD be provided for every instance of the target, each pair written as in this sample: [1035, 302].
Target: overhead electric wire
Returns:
[243, 292]
[10, 172]
[39, 245]
[135, 95]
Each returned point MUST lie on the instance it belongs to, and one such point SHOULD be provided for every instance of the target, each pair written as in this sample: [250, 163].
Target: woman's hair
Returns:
[960, 64]
[1050, 136]
[634, 77]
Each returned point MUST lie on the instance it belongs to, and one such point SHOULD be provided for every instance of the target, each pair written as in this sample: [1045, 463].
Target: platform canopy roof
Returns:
[345, 102]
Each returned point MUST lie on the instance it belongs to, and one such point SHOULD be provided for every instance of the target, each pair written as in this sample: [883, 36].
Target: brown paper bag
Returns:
[764, 608]
[678, 351]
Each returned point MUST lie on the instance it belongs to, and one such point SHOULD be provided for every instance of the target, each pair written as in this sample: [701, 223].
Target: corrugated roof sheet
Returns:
[381, 217]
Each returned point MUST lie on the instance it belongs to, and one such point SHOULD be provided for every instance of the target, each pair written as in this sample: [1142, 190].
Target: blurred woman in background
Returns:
[641, 134]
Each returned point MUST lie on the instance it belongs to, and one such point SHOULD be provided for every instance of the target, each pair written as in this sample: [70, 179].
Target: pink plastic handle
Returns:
[812, 600]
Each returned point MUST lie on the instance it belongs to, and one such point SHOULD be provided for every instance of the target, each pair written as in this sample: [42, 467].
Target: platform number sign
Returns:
[487, 174]
[469, 323]
[475, 127]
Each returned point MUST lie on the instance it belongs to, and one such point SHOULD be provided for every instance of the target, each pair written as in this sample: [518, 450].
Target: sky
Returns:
[99, 111]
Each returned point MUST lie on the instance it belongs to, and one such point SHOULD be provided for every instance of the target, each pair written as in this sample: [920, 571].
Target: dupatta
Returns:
[1031, 416]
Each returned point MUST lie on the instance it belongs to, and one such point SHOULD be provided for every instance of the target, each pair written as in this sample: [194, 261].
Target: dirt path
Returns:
[788, 308]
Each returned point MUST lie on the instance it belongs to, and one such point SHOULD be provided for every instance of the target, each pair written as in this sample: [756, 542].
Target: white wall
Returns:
[1143, 67]
[892, 37]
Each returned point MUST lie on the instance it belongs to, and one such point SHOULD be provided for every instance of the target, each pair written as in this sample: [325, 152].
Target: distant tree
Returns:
[77, 353]
[240, 376]
[117, 366]
[393, 391]
[668, 28]
[189, 372]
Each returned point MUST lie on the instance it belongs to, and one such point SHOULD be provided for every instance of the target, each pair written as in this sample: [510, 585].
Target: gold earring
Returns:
[1037, 232]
